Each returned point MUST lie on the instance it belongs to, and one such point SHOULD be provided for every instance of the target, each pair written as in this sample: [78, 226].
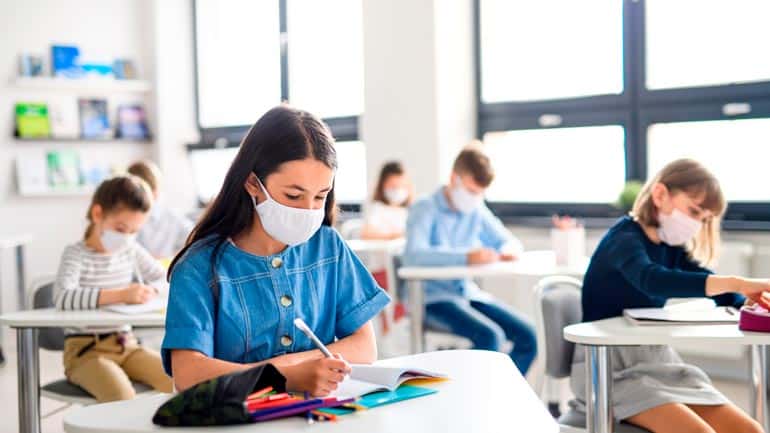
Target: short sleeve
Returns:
[359, 298]
[190, 312]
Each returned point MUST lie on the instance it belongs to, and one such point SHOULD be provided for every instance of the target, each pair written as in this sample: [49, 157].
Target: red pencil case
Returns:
[754, 318]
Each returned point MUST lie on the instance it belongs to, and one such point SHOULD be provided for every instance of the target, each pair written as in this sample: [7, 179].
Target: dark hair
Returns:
[473, 161]
[391, 168]
[147, 171]
[281, 135]
[120, 192]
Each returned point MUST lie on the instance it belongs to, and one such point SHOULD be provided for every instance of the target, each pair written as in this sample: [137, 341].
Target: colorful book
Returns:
[94, 122]
[365, 379]
[32, 120]
[63, 169]
[65, 61]
[132, 123]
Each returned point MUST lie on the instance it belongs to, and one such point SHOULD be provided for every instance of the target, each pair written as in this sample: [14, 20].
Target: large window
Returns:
[251, 55]
[575, 99]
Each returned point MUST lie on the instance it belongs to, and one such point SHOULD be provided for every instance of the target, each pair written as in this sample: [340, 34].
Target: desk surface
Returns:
[372, 245]
[617, 331]
[532, 263]
[51, 318]
[486, 393]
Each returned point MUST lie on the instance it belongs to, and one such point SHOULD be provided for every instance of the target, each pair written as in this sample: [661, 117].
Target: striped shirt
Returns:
[165, 231]
[83, 272]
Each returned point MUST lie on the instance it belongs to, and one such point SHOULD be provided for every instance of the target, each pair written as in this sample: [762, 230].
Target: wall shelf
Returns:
[81, 140]
[82, 85]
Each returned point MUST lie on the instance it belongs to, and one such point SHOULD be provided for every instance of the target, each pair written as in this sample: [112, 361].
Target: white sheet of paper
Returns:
[154, 305]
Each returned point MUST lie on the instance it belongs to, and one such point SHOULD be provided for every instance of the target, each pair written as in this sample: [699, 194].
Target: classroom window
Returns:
[326, 66]
[736, 169]
[209, 167]
[251, 55]
[557, 165]
[680, 79]
[238, 61]
[694, 43]
[349, 182]
[550, 49]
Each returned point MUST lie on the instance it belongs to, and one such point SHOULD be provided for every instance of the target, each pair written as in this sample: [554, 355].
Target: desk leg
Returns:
[599, 418]
[29, 380]
[416, 299]
[759, 406]
[21, 284]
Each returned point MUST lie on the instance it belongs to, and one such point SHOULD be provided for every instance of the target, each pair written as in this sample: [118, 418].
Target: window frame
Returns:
[343, 128]
[636, 106]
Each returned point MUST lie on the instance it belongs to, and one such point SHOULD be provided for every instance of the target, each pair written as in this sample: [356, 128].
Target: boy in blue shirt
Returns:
[453, 227]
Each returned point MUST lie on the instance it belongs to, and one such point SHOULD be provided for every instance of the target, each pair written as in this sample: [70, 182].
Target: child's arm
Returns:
[70, 295]
[319, 376]
[629, 257]
[494, 235]
[150, 269]
[725, 299]
[419, 251]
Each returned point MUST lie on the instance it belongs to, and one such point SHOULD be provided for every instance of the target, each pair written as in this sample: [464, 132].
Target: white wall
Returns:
[158, 37]
[418, 92]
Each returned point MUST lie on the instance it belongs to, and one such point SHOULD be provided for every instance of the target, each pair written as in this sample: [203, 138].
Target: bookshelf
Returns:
[81, 86]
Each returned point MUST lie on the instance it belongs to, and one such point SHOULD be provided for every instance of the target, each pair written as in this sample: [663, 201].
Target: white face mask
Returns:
[677, 228]
[396, 196]
[113, 240]
[289, 225]
[464, 200]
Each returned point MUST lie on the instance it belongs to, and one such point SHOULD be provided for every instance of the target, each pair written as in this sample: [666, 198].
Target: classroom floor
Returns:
[51, 369]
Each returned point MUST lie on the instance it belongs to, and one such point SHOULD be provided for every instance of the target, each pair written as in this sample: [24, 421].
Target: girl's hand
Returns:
[137, 293]
[481, 256]
[319, 377]
[754, 289]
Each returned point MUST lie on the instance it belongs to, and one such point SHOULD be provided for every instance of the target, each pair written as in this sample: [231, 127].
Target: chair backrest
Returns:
[43, 297]
[557, 304]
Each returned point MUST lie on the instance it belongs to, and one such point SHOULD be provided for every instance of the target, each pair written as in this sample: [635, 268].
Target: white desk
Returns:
[531, 263]
[26, 324]
[600, 335]
[486, 393]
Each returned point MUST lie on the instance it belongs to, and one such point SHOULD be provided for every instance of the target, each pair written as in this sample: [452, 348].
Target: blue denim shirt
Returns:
[438, 235]
[321, 281]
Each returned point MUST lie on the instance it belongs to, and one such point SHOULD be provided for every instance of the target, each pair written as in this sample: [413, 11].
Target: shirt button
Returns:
[276, 262]
[286, 341]
[286, 300]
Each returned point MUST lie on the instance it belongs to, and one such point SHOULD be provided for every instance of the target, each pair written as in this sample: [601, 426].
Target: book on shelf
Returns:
[32, 120]
[132, 123]
[94, 120]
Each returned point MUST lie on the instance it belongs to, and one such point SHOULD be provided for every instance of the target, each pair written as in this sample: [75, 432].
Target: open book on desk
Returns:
[365, 379]
[674, 316]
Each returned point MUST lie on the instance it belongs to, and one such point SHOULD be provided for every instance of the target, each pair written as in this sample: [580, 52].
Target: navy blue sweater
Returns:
[628, 270]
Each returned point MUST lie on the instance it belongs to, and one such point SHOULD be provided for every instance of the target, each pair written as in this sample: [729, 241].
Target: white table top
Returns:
[532, 263]
[14, 240]
[617, 331]
[486, 393]
[51, 318]
[375, 245]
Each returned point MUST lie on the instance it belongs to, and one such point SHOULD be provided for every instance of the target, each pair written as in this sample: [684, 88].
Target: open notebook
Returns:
[154, 305]
[365, 379]
[673, 316]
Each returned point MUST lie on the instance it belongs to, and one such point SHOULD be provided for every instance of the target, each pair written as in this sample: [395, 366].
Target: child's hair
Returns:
[147, 171]
[472, 160]
[690, 177]
[391, 168]
[117, 193]
[281, 135]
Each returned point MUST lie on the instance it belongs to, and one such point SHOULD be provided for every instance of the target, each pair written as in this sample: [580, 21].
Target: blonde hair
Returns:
[147, 171]
[692, 178]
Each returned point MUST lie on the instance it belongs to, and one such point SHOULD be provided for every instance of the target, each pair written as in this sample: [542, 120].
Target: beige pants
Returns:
[106, 369]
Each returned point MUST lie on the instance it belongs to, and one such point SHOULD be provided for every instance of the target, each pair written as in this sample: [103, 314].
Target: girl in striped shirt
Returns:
[108, 267]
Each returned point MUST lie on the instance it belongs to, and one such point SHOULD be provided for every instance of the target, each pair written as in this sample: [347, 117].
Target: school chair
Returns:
[53, 339]
[351, 228]
[557, 305]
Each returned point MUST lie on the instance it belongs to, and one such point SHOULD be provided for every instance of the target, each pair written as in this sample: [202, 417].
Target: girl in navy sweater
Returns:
[658, 252]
